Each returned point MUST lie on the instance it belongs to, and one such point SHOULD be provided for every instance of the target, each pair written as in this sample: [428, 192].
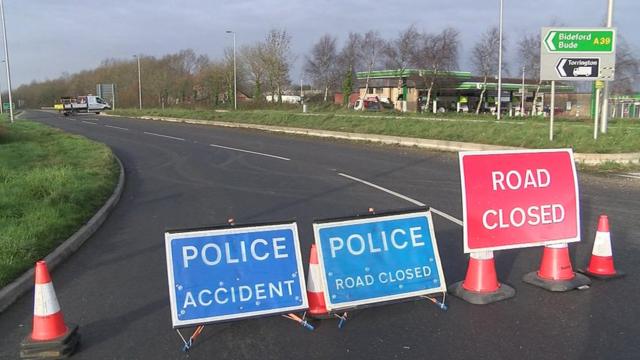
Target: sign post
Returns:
[599, 84]
[378, 259]
[231, 273]
[519, 198]
[552, 111]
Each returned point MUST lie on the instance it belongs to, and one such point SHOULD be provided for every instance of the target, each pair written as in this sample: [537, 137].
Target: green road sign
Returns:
[599, 40]
[6, 106]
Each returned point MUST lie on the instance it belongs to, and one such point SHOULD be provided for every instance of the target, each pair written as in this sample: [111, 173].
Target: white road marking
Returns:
[250, 152]
[413, 201]
[631, 175]
[164, 136]
[447, 216]
[116, 127]
[89, 122]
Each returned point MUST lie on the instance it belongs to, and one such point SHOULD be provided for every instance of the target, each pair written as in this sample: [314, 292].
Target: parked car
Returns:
[370, 104]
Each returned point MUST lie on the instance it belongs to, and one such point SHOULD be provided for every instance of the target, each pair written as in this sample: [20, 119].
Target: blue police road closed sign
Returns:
[377, 259]
[235, 272]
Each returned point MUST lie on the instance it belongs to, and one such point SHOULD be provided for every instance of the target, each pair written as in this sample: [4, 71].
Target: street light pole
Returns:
[139, 82]
[605, 92]
[500, 64]
[1, 103]
[6, 57]
[523, 95]
[235, 78]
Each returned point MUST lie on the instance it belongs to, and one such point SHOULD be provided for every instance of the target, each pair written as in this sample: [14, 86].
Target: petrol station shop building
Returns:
[461, 91]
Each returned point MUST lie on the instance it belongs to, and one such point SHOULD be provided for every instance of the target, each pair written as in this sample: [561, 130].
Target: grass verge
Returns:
[51, 183]
[622, 136]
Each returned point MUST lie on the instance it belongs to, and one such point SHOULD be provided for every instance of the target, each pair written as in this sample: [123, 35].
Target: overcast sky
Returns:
[47, 38]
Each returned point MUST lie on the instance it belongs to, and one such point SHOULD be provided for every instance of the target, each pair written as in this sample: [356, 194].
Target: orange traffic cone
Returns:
[315, 292]
[50, 337]
[481, 285]
[556, 272]
[601, 263]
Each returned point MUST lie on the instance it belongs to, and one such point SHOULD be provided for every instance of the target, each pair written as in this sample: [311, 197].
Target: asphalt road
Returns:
[115, 286]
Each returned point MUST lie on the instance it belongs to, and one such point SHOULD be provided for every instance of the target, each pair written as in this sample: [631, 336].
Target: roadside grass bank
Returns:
[622, 136]
[51, 183]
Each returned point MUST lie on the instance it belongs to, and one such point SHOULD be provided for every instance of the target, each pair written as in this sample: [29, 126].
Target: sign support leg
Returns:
[302, 321]
[552, 110]
[192, 338]
[596, 116]
[343, 319]
[441, 304]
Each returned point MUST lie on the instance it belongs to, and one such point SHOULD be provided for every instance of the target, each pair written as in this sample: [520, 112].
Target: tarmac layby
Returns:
[185, 176]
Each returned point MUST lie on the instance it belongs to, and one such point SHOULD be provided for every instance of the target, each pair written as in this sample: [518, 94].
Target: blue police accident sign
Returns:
[377, 259]
[232, 273]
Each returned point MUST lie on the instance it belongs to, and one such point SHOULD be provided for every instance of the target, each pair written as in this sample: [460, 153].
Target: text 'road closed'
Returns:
[518, 198]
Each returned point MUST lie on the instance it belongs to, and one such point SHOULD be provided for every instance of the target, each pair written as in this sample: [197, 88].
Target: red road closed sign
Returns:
[519, 198]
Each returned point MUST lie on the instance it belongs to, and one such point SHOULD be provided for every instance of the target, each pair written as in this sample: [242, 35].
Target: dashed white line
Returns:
[116, 127]
[416, 202]
[413, 201]
[164, 136]
[250, 152]
[89, 122]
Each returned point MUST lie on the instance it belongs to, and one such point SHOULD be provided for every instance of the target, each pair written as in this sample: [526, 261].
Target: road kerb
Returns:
[441, 145]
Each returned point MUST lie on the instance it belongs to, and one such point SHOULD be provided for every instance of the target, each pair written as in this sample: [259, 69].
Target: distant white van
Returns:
[70, 105]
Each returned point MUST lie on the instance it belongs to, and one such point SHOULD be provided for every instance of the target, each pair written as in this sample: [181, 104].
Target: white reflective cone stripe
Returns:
[602, 244]
[482, 255]
[45, 302]
[314, 284]
[558, 246]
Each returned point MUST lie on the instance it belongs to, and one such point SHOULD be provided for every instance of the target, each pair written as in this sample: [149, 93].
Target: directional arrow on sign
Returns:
[549, 41]
[560, 68]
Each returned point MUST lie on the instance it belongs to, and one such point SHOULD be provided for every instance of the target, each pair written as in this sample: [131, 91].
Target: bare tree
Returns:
[348, 62]
[369, 51]
[321, 66]
[485, 58]
[251, 59]
[627, 69]
[277, 58]
[529, 54]
[436, 54]
[229, 75]
[213, 78]
[398, 53]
